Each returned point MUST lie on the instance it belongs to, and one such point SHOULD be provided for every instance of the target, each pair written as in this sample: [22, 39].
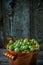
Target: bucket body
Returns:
[27, 59]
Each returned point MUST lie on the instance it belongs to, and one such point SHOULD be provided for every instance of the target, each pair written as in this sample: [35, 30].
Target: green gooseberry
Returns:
[31, 48]
[25, 40]
[17, 45]
[28, 43]
[24, 47]
[16, 49]
[37, 46]
[11, 41]
[11, 47]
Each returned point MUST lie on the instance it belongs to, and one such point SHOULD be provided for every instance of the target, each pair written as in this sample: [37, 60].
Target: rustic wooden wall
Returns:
[16, 19]
[37, 18]
[20, 19]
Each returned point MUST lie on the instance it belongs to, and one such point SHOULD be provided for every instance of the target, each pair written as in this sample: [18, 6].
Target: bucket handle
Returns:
[9, 55]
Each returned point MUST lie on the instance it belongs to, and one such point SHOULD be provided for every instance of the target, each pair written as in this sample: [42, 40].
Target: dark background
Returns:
[22, 19]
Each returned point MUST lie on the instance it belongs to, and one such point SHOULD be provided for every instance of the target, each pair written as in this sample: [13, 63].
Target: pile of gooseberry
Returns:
[23, 45]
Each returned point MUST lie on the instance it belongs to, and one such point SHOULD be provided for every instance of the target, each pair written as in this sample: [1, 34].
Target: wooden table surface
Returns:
[4, 60]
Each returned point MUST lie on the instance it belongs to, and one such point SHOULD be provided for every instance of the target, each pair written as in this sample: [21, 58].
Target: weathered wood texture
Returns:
[16, 19]
[37, 20]
[3, 59]
[24, 19]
